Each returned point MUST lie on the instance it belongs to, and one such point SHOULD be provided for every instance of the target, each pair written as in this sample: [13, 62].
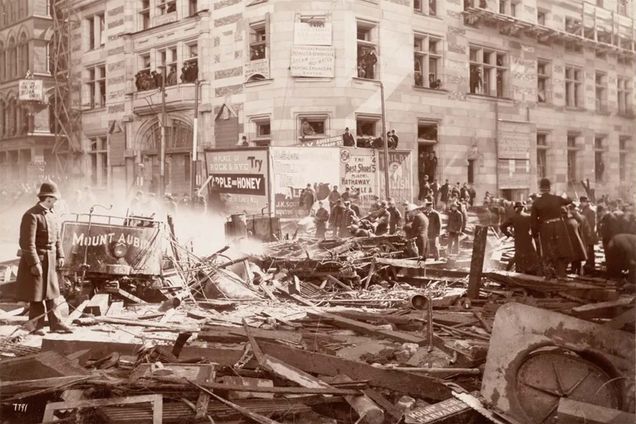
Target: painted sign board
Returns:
[239, 179]
[112, 247]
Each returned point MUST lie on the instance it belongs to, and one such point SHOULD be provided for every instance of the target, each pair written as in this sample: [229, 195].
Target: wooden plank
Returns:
[203, 401]
[167, 315]
[77, 312]
[98, 304]
[477, 261]
[383, 403]
[574, 412]
[115, 309]
[365, 328]
[134, 322]
[317, 363]
[261, 419]
[155, 400]
[129, 296]
[602, 309]
[238, 334]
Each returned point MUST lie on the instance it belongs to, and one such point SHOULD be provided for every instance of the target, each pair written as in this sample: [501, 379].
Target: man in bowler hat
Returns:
[41, 255]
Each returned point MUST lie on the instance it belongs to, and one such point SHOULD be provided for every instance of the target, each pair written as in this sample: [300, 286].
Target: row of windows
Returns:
[12, 11]
[317, 126]
[574, 95]
[14, 58]
[488, 68]
[574, 150]
[149, 10]
[166, 63]
[15, 120]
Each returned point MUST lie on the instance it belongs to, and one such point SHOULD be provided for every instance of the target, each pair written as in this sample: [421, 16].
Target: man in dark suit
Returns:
[526, 259]
[548, 226]
[41, 254]
[347, 138]
[418, 223]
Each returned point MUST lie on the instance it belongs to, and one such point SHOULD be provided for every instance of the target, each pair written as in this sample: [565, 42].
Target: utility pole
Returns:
[387, 192]
[195, 141]
[162, 147]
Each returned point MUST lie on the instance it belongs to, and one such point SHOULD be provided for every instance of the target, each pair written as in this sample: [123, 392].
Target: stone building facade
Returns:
[502, 91]
[26, 130]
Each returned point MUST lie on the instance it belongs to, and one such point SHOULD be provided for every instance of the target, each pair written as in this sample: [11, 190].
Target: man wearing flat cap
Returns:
[548, 226]
[41, 255]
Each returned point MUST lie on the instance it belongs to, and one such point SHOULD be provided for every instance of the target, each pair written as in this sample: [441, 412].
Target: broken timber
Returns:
[317, 363]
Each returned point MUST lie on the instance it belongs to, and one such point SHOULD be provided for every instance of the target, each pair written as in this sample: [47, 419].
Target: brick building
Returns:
[26, 128]
[503, 91]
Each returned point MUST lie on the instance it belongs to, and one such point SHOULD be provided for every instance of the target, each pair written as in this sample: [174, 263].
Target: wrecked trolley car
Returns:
[113, 253]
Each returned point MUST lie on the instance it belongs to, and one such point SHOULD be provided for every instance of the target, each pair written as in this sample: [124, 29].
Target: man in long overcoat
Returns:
[41, 255]
[589, 231]
[526, 259]
[548, 226]
[419, 230]
[434, 229]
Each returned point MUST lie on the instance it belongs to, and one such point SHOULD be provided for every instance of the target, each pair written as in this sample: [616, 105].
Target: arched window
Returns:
[2, 118]
[12, 118]
[178, 137]
[3, 14]
[3, 61]
[23, 54]
[12, 59]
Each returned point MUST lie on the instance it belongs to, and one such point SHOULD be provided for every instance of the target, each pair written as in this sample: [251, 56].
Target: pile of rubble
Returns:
[333, 331]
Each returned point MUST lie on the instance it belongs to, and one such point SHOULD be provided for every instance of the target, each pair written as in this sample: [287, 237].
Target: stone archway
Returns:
[178, 156]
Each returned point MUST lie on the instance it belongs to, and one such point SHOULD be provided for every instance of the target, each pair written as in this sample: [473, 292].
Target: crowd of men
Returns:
[554, 235]
[339, 215]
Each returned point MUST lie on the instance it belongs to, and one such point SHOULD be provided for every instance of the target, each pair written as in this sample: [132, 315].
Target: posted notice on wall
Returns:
[30, 90]
[313, 61]
[514, 139]
[310, 30]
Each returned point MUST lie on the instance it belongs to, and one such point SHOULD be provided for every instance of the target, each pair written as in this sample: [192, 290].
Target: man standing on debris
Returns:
[336, 214]
[334, 196]
[321, 219]
[418, 228]
[395, 220]
[41, 255]
[307, 199]
[434, 229]
[383, 219]
[454, 228]
[444, 192]
[589, 231]
[547, 225]
[518, 227]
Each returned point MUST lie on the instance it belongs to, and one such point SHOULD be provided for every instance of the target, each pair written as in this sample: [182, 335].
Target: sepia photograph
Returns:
[317, 211]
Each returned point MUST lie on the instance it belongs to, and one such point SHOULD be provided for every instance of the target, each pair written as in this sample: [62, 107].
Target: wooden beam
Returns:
[155, 400]
[477, 261]
[574, 412]
[399, 381]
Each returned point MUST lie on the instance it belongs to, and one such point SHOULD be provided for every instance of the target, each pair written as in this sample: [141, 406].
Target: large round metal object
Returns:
[546, 376]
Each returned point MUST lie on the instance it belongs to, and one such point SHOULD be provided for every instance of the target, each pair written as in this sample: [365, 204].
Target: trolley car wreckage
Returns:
[308, 331]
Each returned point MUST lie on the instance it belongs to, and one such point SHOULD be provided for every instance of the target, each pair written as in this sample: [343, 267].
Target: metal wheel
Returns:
[548, 375]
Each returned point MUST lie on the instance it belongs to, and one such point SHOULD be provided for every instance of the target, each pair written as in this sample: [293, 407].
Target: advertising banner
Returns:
[400, 175]
[238, 179]
[112, 248]
[295, 167]
[358, 171]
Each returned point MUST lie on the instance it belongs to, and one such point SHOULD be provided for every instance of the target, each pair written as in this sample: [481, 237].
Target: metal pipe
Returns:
[387, 192]
[195, 141]
[162, 147]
